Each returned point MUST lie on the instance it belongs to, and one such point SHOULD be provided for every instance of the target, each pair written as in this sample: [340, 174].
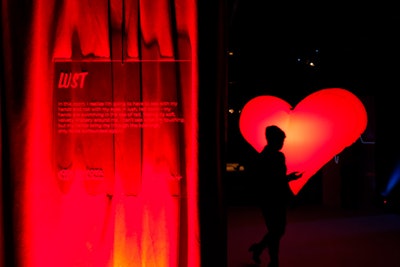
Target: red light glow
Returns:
[140, 205]
[317, 128]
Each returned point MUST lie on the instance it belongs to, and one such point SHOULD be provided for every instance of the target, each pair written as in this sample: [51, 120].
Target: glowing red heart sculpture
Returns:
[317, 128]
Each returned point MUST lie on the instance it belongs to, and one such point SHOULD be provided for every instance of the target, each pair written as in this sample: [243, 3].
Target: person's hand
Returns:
[294, 176]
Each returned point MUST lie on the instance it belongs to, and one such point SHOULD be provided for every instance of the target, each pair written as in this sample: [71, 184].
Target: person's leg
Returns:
[276, 229]
[258, 248]
[273, 250]
[275, 221]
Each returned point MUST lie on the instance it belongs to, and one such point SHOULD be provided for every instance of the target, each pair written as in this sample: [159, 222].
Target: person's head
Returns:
[275, 136]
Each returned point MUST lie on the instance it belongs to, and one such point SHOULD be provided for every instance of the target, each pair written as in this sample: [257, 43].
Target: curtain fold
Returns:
[82, 183]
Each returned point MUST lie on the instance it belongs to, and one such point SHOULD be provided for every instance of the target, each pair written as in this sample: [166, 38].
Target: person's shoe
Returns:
[256, 250]
[273, 264]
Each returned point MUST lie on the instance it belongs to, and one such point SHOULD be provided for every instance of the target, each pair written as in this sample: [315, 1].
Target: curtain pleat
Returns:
[98, 199]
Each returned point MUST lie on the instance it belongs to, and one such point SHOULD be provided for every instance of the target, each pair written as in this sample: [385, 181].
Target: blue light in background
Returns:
[393, 181]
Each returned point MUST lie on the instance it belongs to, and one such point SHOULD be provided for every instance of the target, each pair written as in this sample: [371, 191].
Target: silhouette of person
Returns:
[272, 194]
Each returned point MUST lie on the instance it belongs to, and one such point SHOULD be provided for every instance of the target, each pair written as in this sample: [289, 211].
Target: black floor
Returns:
[319, 237]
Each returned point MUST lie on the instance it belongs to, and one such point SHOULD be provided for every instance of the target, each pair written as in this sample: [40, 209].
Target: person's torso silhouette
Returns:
[272, 192]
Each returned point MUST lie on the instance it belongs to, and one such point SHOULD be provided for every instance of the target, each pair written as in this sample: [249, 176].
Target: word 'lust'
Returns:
[72, 79]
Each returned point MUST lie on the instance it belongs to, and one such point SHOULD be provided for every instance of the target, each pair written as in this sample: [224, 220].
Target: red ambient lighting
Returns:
[90, 196]
[317, 128]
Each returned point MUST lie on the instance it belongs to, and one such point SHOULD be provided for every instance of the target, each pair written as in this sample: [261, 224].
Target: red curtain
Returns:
[99, 122]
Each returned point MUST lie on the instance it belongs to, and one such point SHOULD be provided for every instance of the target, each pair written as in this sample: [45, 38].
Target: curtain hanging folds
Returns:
[99, 133]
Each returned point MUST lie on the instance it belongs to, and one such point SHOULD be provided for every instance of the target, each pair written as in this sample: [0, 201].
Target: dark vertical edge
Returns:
[212, 110]
[110, 42]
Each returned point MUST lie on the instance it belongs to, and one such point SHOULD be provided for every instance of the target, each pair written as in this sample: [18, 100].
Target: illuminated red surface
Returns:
[151, 219]
[317, 128]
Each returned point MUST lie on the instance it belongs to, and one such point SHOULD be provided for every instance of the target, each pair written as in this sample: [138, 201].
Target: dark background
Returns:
[352, 46]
